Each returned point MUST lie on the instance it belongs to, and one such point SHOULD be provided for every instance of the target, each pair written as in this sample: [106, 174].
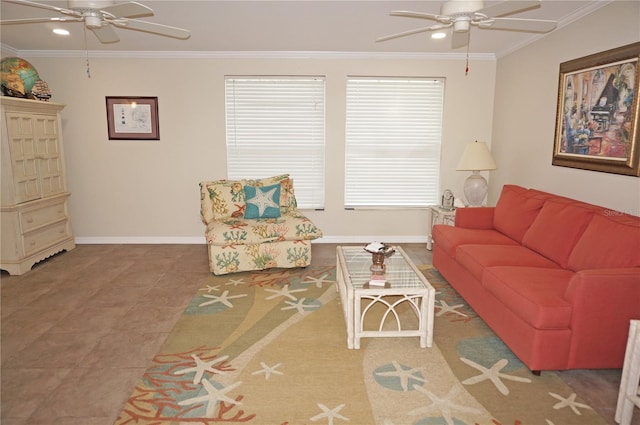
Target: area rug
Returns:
[270, 347]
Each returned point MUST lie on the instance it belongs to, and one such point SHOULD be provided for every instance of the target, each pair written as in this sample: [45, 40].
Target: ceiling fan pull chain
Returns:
[466, 70]
[86, 49]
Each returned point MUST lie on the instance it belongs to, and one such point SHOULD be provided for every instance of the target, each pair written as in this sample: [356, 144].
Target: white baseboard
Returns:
[140, 240]
[200, 240]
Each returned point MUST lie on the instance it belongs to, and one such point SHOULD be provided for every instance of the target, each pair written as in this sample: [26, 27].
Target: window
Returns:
[393, 136]
[275, 125]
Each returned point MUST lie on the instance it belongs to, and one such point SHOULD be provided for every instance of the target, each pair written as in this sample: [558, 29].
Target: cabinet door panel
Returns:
[48, 154]
[24, 157]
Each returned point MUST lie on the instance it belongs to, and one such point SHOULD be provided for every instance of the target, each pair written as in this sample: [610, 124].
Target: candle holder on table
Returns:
[379, 251]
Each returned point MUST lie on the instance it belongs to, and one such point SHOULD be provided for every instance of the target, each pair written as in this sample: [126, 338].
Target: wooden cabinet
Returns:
[34, 214]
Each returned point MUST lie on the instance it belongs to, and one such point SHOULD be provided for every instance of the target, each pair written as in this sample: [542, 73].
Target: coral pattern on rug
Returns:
[270, 348]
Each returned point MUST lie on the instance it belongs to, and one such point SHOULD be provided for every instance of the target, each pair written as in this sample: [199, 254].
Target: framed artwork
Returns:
[132, 118]
[597, 117]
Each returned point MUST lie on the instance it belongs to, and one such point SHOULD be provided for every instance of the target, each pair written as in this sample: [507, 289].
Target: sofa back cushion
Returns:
[557, 228]
[612, 240]
[221, 199]
[516, 209]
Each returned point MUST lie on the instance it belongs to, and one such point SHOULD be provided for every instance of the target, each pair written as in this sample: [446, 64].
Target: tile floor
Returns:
[75, 333]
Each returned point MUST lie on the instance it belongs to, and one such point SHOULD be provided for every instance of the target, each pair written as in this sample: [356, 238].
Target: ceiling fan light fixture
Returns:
[93, 21]
[461, 24]
[438, 35]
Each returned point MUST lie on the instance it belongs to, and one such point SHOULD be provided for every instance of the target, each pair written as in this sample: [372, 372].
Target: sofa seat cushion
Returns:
[449, 238]
[475, 258]
[292, 226]
[534, 294]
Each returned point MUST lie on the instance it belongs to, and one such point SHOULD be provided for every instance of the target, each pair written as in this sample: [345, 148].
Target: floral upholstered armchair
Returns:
[255, 225]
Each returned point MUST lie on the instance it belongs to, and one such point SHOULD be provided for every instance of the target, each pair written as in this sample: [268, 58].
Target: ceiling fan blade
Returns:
[151, 27]
[106, 34]
[420, 15]
[128, 10]
[38, 20]
[411, 32]
[507, 7]
[515, 24]
[459, 39]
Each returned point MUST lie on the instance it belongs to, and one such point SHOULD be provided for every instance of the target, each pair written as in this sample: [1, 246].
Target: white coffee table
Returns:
[406, 286]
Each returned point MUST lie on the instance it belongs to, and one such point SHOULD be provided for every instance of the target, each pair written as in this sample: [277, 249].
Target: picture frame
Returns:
[132, 118]
[597, 124]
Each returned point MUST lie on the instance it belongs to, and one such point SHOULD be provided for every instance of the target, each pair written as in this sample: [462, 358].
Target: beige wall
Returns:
[525, 111]
[146, 191]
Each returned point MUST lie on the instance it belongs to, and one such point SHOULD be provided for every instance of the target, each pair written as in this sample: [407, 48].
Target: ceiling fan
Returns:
[100, 16]
[462, 14]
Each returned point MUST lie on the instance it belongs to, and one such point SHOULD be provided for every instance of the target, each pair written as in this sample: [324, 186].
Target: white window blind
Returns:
[276, 125]
[393, 136]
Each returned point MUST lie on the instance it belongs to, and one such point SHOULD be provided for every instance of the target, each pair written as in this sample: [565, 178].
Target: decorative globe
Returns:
[18, 74]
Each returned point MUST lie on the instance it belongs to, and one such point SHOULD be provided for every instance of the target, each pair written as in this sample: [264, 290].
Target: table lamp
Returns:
[475, 158]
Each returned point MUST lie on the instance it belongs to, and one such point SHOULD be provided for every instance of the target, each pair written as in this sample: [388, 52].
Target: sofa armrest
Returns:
[475, 218]
[604, 300]
[591, 288]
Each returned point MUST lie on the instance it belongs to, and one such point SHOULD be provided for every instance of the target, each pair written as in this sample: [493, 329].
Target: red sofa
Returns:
[556, 279]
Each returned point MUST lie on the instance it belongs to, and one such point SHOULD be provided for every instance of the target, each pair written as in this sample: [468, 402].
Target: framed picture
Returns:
[597, 117]
[132, 118]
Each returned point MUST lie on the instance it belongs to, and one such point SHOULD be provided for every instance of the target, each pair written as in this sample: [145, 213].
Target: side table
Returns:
[439, 215]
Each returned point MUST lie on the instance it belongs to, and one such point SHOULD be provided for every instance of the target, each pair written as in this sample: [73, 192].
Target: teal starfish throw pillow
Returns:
[262, 201]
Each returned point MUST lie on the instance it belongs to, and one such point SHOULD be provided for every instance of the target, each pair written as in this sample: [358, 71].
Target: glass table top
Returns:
[399, 273]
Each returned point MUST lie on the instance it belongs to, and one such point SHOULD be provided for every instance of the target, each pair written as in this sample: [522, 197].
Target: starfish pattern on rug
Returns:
[284, 292]
[236, 282]
[214, 395]
[268, 370]
[318, 281]
[210, 288]
[569, 402]
[330, 414]
[300, 306]
[223, 299]
[445, 406]
[201, 367]
[404, 375]
[493, 374]
[446, 308]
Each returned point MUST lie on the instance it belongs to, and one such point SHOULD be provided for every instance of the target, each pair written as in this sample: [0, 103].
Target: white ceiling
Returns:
[281, 26]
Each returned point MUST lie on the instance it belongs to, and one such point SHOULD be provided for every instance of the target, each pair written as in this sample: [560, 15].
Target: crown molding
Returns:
[245, 55]
[8, 49]
[587, 10]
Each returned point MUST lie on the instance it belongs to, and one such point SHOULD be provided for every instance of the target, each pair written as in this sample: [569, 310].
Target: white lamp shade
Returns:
[476, 157]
